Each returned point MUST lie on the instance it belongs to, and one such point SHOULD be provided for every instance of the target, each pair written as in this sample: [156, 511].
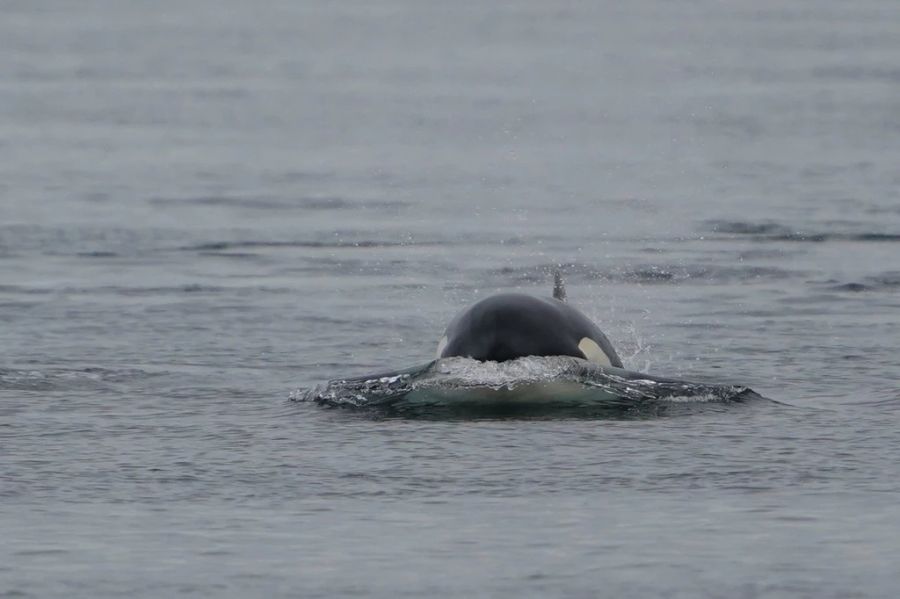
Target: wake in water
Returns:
[555, 385]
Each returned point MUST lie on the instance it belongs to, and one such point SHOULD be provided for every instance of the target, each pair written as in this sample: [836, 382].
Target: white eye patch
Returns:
[441, 345]
[593, 352]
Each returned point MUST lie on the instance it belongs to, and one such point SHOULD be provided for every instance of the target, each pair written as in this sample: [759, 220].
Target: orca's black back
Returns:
[513, 325]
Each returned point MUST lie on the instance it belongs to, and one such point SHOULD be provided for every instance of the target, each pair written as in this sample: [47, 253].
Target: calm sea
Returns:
[205, 206]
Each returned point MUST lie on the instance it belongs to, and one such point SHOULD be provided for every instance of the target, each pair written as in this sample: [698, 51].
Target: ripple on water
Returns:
[63, 379]
[774, 231]
[649, 273]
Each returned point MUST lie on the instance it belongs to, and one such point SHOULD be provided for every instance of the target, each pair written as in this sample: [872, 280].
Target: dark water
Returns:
[205, 206]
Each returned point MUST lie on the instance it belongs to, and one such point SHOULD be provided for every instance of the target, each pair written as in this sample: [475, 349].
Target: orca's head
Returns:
[514, 325]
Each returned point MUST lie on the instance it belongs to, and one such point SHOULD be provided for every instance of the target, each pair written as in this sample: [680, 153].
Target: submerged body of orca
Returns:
[514, 325]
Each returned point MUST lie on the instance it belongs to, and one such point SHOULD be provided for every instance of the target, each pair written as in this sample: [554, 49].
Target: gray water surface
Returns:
[207, 206]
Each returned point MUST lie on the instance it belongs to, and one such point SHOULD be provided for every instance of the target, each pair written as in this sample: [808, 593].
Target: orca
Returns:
[514, 325]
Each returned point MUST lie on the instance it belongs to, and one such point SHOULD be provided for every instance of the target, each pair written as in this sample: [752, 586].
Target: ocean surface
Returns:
[207, 208]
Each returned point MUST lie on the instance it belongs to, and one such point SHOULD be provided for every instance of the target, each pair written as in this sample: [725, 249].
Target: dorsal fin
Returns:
[559, 288]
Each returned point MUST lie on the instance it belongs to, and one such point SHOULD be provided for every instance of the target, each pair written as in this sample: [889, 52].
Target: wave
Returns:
[646, 273]
[262, 202]
[66, 379]
[882, 282]
[772, 231]
[215, 246]
[557, 386]
[130, 291]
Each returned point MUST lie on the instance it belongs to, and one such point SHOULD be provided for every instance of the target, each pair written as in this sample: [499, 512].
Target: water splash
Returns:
[527, 385]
